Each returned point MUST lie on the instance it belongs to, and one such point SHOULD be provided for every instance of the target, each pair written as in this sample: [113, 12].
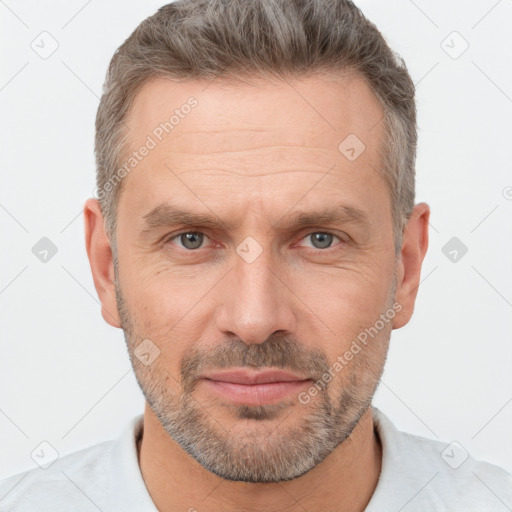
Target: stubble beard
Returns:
[268, 448]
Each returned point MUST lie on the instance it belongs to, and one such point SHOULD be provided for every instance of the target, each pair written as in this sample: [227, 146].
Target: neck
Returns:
[345, 480]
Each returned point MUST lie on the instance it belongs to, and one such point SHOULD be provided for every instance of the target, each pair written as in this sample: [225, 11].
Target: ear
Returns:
[414, 248]
[101, 261]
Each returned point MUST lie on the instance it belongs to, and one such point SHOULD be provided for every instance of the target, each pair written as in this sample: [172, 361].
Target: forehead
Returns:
[318, 110]
[260, 139]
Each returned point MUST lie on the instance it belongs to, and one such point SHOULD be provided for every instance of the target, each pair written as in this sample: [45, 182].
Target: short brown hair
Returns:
[201, 39]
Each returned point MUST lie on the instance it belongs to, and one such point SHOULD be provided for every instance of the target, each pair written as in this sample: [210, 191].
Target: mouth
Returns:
[255, 387]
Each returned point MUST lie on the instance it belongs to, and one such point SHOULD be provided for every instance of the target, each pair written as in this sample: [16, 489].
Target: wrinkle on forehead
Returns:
[285, 134]
[311, 112]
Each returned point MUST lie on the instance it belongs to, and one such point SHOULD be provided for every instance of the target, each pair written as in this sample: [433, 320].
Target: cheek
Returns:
[350, 298]
[349, 304]
[169, 309]
[157, 291]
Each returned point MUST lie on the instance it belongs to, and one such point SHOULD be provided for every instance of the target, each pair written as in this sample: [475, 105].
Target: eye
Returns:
[193, 240]
[321, 239]
[190, 240]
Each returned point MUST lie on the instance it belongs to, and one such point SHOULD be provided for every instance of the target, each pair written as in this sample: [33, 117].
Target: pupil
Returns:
[324, 240]
[191, 240]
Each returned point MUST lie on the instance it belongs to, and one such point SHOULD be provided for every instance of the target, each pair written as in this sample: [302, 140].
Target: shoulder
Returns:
[426, 474]
[105, 476]
[68, 480]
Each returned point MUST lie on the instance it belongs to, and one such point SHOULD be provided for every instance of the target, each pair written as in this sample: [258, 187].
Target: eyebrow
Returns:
[168, 215]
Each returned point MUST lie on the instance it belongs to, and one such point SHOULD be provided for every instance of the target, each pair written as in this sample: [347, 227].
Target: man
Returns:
[256, 239]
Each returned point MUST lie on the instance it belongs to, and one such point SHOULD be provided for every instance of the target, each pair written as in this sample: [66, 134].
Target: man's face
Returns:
[255, 289]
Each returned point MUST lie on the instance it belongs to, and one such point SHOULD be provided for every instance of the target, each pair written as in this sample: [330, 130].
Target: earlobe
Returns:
[414, 248]
[100, 257]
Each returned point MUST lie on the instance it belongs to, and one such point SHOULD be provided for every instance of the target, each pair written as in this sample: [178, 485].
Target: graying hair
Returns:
[203, 39]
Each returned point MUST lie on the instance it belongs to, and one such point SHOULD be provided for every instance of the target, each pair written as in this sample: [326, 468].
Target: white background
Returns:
[65, 376]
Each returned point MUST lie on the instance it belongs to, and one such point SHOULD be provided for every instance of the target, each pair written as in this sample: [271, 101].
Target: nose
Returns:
[257, 301]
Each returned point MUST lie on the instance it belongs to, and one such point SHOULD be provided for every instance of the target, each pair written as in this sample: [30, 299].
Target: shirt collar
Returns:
[127, 490]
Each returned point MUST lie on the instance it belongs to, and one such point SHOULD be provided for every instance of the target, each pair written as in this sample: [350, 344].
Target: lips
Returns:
[247, 387]
[249, 378]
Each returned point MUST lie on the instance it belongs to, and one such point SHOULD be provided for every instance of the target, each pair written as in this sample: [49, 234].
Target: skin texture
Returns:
[248, 154]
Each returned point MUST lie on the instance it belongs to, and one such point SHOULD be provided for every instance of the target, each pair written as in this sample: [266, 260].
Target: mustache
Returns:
[275, 351]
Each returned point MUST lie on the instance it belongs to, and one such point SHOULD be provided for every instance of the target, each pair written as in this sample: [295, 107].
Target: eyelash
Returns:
[176, 236]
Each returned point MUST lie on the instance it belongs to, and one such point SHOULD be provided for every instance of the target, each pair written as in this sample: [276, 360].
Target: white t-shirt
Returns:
[418, 474]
